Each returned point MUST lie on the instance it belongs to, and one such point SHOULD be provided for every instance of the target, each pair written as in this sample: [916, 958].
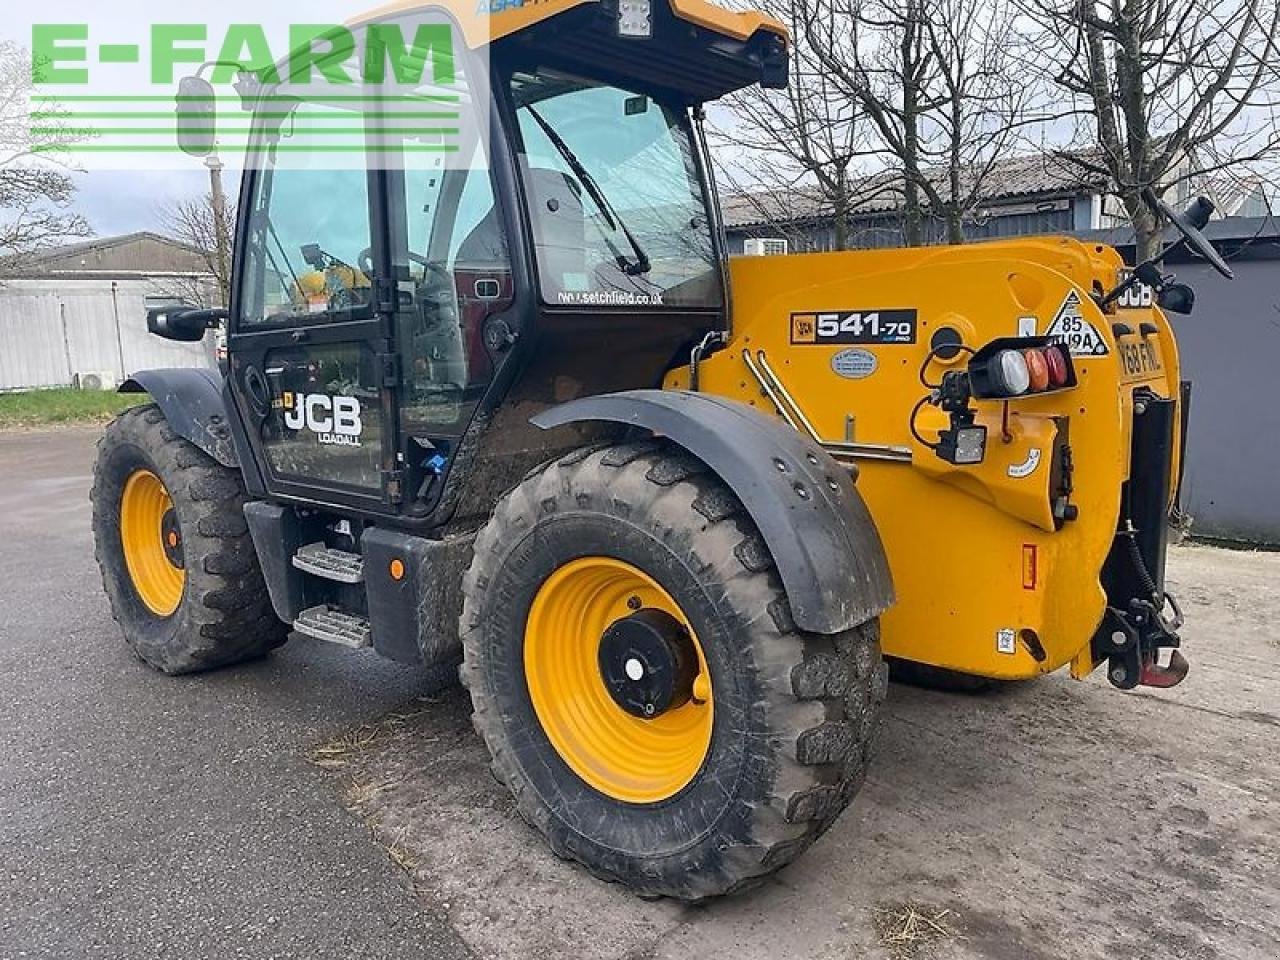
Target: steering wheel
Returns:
[442, 274]
[1189, 224]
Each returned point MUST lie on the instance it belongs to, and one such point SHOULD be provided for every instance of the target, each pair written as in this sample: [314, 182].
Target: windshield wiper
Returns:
[631, 267]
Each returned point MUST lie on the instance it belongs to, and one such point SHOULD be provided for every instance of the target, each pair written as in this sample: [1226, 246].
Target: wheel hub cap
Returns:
[648, 663]
[618, 680]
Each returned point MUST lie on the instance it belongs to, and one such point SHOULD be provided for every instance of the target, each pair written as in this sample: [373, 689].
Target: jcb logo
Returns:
[334, 420]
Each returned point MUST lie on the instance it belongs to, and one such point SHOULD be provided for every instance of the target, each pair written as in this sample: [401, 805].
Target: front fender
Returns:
[191, 401]
[817, 528]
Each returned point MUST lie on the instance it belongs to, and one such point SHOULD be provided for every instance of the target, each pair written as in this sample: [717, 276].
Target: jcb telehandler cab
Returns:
[526, 411]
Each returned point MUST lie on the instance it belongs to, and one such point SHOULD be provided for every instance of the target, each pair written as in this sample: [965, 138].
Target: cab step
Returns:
[324, 561]
[329, 623]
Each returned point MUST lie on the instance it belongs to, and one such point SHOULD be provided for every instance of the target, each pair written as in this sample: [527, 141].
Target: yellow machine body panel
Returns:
[987, 581]
[482, 22]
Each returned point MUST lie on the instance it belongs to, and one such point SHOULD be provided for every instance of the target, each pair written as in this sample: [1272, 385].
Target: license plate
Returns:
[1139, 358]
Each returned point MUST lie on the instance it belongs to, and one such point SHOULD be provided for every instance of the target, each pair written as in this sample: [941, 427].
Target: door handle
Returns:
[258, 392]
[298, 336]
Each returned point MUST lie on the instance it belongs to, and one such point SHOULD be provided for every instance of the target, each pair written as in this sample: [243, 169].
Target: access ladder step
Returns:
[329, 623]
[324, 561]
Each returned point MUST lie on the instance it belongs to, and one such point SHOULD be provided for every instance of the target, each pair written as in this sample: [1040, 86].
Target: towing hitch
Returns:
[1154, 675]
[1134, 640]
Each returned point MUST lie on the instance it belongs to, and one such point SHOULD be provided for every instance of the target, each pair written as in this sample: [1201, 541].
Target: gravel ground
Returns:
[147, 817]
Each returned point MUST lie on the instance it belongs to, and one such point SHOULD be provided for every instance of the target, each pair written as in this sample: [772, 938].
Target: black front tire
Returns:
[796, 714]
[225, 614]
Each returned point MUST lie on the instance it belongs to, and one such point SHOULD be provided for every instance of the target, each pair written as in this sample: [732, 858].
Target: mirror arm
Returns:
[1147, 272]
[208, 316]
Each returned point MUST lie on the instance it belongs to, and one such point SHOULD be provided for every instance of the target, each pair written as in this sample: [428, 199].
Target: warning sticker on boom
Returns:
[1070, 327]
[854, 326]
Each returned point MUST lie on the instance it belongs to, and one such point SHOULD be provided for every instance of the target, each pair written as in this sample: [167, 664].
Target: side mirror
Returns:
[1198, 212]
[313, 256]
[1176, 298]
[178, 321]
[1189, 224]
[197, 115]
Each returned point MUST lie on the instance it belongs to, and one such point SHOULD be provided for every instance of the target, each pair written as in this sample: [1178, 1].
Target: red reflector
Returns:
[1056, 362]
[1037, 369]
[1030, 571]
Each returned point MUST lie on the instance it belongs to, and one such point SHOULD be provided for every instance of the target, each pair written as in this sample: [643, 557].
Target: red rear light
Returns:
[1056, 361]
[1037, 369]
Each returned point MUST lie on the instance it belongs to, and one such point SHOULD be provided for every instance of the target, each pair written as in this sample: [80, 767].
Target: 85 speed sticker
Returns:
[854, 326]
[1070, 327]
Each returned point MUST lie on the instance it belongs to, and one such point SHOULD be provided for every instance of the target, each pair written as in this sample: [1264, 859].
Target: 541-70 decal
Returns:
[854, 326]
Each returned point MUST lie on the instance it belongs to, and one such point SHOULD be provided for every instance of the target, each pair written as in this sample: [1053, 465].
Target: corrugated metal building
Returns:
[1042, 193]
[1020, 196]
[79, 311]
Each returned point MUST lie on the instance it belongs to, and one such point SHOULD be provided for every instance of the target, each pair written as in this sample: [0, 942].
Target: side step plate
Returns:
[327, 623]
[338, 565]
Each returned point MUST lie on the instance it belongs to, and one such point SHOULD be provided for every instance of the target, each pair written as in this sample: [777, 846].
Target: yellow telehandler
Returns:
[526, 413]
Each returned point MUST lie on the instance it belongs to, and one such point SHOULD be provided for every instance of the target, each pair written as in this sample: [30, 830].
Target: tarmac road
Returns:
[142, 816]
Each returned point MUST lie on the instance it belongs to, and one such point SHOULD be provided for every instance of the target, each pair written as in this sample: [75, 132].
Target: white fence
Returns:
[52, 330]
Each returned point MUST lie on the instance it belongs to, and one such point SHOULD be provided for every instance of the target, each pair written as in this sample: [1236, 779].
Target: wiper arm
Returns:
[632, 268]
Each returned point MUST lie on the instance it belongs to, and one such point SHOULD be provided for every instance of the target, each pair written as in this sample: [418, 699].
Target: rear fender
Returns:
[813, 520]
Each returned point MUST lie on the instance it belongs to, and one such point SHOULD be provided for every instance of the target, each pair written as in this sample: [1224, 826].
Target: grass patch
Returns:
[40, 408]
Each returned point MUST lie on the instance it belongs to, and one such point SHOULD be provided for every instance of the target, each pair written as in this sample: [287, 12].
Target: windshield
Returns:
[617, 207]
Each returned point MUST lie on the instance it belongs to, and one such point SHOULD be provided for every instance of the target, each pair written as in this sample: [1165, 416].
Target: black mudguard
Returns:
[815, 523]
[191, 401]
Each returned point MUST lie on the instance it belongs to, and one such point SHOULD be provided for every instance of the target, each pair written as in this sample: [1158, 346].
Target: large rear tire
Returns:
[171, 541]
[727, 781]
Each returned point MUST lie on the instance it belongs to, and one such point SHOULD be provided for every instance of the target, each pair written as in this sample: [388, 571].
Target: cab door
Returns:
[310, 352]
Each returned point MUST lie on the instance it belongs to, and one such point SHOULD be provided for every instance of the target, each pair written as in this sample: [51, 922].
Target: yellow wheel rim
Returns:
[623, 756]
[151, 542]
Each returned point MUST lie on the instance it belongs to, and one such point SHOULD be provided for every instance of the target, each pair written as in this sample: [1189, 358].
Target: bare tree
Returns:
[36, 187]
[1169, 90]
[936, 80]
[793, 155]
[195, 222]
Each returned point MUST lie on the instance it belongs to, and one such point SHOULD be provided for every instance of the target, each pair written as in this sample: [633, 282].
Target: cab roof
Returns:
[481, 26]
[697, 50]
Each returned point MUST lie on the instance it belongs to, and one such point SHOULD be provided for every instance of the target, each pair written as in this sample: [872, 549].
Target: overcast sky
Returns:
[117, 201]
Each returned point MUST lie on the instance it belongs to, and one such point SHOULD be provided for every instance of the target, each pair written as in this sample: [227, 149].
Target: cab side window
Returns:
[310, 249]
